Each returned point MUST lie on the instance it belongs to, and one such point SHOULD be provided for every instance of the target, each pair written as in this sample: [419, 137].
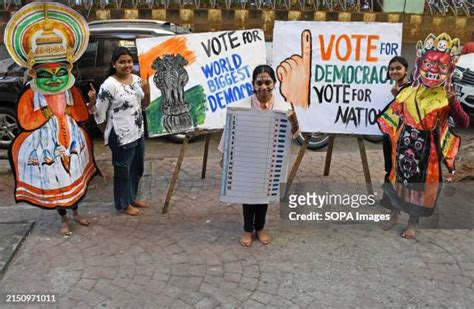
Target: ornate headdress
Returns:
[436, 58]
[46, 32]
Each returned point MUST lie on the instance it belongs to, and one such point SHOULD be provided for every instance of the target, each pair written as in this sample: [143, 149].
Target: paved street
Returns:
[191, 257]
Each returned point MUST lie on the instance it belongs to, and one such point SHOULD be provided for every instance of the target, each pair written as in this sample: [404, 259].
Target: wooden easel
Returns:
[327, 164]
[177, 168]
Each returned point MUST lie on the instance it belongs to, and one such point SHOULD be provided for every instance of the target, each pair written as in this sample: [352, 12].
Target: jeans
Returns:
[254, 217]
[128, 162]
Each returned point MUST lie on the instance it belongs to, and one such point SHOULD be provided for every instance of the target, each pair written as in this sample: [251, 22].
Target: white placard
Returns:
[256, 151]
[206, 71]
[346, 63]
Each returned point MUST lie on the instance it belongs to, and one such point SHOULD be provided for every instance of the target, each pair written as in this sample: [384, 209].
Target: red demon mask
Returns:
[434, 68]
[436, 58]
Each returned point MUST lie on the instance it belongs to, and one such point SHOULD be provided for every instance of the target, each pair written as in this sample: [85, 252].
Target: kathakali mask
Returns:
[47, 38]
[436, 58]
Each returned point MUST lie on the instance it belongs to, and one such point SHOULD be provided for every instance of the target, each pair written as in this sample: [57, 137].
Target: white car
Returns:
[464, 81]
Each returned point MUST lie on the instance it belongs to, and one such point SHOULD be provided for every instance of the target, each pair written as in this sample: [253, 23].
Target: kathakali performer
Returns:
[416, 122]
[52, 157]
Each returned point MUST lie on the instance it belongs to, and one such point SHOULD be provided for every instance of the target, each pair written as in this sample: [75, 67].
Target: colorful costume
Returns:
[416, 122]
[52, 158]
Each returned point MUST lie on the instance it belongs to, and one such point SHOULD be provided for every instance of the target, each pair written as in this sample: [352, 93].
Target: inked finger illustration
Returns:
[294, 74]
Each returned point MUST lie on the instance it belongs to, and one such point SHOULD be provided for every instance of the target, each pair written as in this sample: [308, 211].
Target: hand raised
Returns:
[294, 74]
[450, 95]
[92, 94]
[146, 85]
[395, 89]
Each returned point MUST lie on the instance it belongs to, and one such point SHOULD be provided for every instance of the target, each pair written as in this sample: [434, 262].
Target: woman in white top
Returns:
[119, 104]
[263, 81]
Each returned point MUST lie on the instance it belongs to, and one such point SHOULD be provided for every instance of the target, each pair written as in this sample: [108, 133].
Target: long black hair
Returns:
[263, 68]
[399, 59]
[118, 51]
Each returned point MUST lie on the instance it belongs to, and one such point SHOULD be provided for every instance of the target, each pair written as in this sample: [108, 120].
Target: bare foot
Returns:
[132, 211]
[66, 228]
[264, 237]
[80, 219]
[409, 232]
[141, 204]
[391, 223]
[246, 239]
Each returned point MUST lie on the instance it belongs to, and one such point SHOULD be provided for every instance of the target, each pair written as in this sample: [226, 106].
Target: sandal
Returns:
[132, 211]
[141, 204]
[264, 237]
[246, 239]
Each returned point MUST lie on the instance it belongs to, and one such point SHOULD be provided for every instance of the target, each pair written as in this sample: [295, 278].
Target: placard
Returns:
[194, 77]
[335, 73]
[256, 148]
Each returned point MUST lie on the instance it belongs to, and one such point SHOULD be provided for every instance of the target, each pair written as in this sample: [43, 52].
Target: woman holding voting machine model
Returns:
[263, 81]
[119, 106]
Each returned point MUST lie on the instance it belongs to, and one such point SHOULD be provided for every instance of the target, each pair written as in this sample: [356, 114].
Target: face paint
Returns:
[52, 79]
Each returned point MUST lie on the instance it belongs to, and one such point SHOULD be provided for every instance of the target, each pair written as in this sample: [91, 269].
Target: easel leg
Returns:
[365, 165]
[297, 163]
[177, 168]
[327, 163]
[204, 158]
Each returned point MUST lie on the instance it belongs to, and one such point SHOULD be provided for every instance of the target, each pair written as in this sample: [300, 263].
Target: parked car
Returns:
[105, 36]
[464, 82]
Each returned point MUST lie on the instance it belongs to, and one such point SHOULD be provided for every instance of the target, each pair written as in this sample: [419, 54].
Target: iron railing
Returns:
[432, 7]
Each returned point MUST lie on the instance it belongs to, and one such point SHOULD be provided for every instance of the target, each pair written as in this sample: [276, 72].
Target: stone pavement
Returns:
[191, 257]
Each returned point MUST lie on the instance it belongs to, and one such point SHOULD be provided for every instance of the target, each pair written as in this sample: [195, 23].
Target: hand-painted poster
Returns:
[193, 78]
[335, 73]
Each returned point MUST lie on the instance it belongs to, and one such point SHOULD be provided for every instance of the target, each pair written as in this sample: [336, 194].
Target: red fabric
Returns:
[460, 117]
[468, 48]
[49, 65]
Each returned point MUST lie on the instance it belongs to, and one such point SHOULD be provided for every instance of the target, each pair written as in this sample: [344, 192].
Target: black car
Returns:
[105, 36]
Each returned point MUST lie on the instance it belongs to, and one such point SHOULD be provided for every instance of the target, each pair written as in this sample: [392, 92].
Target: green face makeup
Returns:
[52, 80]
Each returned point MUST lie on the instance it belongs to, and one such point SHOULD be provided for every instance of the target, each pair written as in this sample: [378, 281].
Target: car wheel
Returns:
[179, 138]
[318, 140]
[9, 128]
[373, 138]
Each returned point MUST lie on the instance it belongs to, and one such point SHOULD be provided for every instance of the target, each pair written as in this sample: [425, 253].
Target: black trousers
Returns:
[387, 155]
[254, 216]
[62, 211]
